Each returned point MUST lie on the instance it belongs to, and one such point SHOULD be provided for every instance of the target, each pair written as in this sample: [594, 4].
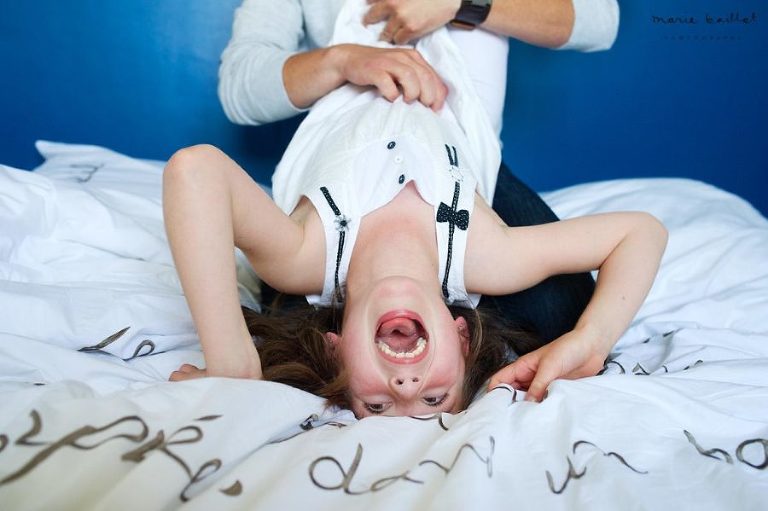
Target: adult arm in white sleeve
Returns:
[265, 34]
[272, 68]
[595, 25]
[586, 25]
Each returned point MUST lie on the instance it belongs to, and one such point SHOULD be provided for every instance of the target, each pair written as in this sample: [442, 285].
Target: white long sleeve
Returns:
[595, 26]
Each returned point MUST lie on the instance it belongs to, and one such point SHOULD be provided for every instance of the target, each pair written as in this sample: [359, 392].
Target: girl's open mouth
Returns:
[401, 337]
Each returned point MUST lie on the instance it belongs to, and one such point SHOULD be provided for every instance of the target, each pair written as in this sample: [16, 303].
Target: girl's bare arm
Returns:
[211, 205]
[626, 248]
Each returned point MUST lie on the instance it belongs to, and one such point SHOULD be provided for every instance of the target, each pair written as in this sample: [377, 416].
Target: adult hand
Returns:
[410, 19]
[393, 71]
[576, 354]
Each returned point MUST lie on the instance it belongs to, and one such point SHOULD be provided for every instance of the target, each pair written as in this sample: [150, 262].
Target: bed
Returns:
[92, 322]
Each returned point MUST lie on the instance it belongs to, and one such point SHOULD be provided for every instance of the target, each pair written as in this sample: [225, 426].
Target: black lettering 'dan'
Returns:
[347, 476]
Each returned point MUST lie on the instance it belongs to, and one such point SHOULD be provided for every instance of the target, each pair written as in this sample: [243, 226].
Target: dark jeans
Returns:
[552, 307]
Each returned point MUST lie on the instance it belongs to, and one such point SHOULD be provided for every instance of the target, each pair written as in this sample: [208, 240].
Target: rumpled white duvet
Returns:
[92, 321]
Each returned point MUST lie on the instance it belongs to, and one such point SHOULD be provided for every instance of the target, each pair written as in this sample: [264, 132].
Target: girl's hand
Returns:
[187, 372]
[252, 370]
[577, 354]
[410, 19]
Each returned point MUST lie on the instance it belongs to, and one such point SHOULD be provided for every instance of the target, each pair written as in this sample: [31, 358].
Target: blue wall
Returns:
[139, 76]
[670, 99]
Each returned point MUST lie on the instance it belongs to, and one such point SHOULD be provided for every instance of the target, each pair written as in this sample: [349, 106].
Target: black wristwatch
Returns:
[471, 13]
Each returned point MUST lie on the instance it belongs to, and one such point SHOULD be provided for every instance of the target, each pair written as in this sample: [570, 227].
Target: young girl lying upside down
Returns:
[381, 218]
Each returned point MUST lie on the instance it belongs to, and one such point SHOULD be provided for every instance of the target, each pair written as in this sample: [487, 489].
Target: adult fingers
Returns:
[393, 71]
[395, 30]
[379, 11]
[432, 81]
[386, 85]
[391, 32]
[434, 90]
[406, 77]
[412, 81]
[401, 34]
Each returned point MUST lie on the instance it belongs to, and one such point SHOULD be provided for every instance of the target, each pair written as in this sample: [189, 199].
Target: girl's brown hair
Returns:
[293, 350]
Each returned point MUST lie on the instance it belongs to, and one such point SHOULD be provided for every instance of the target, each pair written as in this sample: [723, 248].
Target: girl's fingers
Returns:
[518, 374]
[186, 372]
[545, 375]
[505, 375]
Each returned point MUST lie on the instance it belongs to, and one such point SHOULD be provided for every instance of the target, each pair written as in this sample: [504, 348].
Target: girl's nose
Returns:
[405, 386]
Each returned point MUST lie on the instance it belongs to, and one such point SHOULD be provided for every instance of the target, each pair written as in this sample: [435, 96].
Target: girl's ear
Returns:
[463, 329]
[332, 339]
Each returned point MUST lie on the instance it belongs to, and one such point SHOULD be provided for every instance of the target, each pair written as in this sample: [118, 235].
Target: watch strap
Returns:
[472, 13]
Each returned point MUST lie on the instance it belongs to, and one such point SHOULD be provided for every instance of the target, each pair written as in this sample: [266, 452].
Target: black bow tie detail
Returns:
[458, 218]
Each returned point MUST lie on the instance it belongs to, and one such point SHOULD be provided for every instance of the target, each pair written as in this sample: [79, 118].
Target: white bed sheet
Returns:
[679, 419]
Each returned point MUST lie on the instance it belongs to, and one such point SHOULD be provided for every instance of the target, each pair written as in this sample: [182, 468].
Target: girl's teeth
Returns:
[421, 344]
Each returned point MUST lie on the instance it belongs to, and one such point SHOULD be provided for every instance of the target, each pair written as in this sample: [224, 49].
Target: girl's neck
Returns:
[396, 240]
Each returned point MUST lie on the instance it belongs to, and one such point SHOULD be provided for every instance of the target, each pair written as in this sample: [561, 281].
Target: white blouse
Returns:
[355, 151]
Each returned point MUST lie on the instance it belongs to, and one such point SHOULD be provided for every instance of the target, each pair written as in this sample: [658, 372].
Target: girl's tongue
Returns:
[400, 334]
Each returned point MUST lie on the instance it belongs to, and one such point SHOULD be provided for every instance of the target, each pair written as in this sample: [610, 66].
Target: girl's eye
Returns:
[435, 401]
[375, 408]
